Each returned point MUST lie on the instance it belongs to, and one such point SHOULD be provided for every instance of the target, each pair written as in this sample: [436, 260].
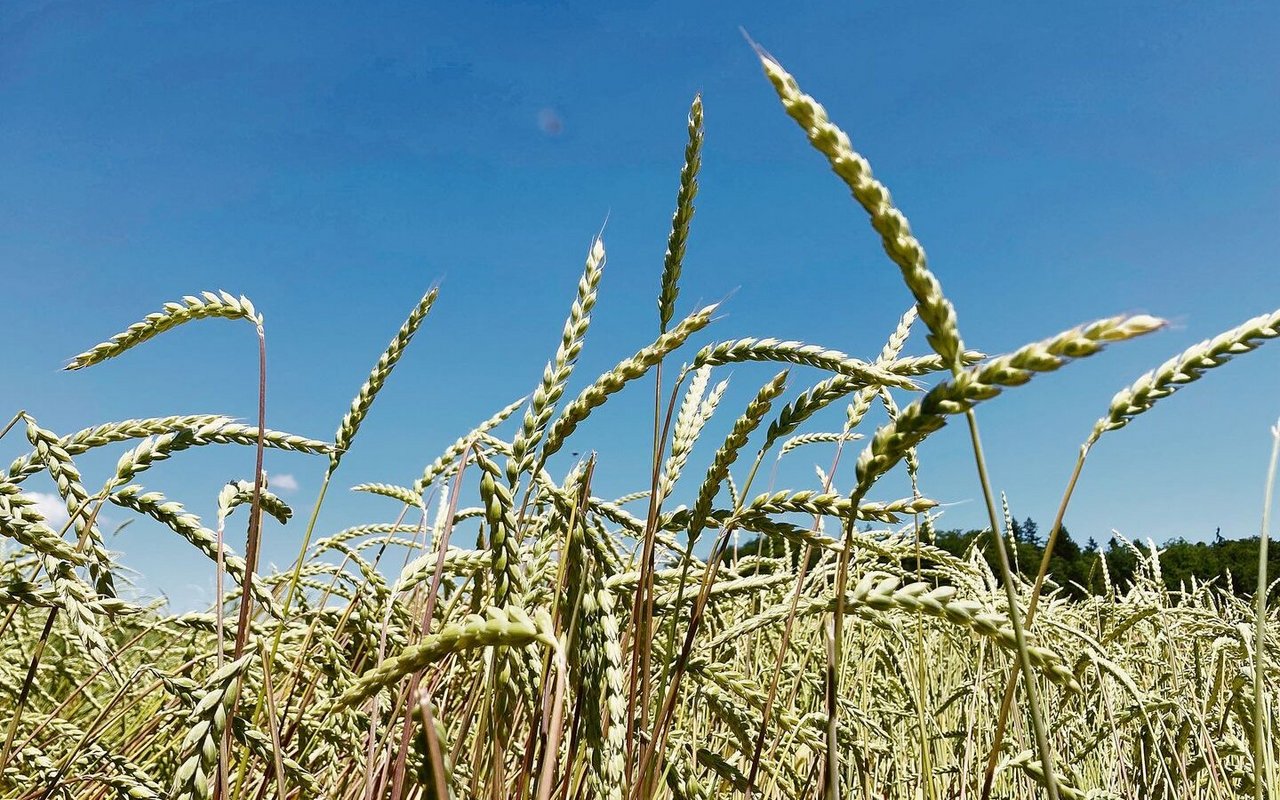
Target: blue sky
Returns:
[1059, 162]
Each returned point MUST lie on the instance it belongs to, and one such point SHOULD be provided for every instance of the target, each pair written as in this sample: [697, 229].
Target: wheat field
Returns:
[511, 634]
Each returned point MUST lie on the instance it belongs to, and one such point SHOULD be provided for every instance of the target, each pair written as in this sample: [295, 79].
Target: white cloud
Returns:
[284, 482]
[51, 508]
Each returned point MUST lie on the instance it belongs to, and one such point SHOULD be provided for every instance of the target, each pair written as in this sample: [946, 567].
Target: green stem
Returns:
[1011, 685]
[1262, 749]
[1024, 658]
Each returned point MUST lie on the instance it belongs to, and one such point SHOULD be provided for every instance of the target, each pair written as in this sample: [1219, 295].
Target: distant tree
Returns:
[1233, 563]
[1122, 562]
[1029, 532]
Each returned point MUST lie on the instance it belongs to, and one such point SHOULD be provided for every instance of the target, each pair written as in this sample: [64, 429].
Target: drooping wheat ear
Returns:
[158, 448]
[499, 627]
[20, 521]
[130, 781]
[124, 430]
[458, 562]
[70, 488]
[1028, 763]
[237, 433]
[914, 366]
[238, 493]
[28, 594]
[187, 525]
[836, 505]
[798, 411]
[973, 385]
[242, 731]
[84, 440]
[198, 754]
[377, 378]
[82, 607]
[207, 305]
[203, 429]
[743, 426]
[879, 592]
[504, 533]
[821, 437]
[695, 410]
[557, 371]
[402, 493]
[442, 464]
[347, 534]
[757, 523]
[807, 355]
[614, 380]
[673, 261]
[723, 588]
[895, 232]
[1189, 365]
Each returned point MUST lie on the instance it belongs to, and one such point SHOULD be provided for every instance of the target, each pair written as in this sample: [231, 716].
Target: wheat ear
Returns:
[969, 387]
[377, 378]
[205, 306]
[499, 627]
[801, 354]
[895, 232]
[557, 371]
[743, 426]
[187, 525]
[446, 459]
[1186, 367]
[695, 411]
[20, 521]
[76, 498]
[504, 544]
[198, 754]
[673, 261]
[615, 379]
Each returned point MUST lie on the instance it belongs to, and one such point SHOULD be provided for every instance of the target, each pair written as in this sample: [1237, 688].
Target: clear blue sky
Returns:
[1060, 163]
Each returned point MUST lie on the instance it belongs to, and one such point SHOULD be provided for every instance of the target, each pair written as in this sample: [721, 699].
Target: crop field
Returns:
[510, 633]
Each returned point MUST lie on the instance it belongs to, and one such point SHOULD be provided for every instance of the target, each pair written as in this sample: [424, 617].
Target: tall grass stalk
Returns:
[1263, 755]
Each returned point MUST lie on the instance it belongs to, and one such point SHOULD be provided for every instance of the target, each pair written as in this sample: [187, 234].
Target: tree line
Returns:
[1077, 568]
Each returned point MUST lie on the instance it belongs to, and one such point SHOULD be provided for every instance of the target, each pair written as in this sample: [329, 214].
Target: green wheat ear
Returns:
[377, 378]
[976, 384]
[205, 306]
[901, 245]
[1186, 367]
[673, 261]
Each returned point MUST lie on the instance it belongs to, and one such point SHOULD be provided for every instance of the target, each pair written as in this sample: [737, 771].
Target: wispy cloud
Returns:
[50, 507]
[284, 482]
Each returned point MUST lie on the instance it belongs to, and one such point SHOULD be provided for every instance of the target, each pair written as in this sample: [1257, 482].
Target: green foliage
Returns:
[1232, 563]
